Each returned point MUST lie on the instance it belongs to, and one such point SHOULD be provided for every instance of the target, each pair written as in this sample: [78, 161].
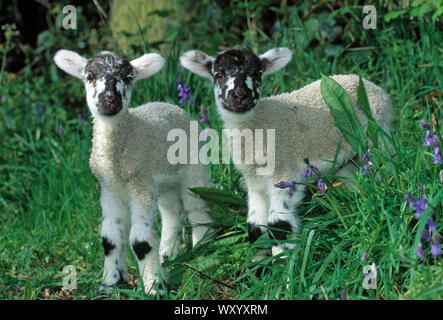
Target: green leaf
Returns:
[394, 14]
[363, 102]
[219, 196]
[342, 111]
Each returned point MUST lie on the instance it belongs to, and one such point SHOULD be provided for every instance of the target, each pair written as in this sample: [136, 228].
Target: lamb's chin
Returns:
[230, 117]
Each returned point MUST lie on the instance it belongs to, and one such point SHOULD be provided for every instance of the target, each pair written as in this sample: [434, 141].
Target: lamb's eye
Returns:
[90, 77]
[219, 76]
[127, 80]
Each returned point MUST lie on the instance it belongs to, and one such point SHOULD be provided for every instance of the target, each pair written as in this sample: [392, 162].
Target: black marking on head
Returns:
[141, 249]
[237, 79]
[254, 233]
[116, 73]
[107, 245]
[279, 230]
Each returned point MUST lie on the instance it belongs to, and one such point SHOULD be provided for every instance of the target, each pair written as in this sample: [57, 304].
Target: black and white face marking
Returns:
[108, 80]
[237, 75]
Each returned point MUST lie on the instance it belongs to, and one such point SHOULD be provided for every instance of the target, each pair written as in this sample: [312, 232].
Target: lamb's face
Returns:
[237, 78]
[108, 80]
[236, 74]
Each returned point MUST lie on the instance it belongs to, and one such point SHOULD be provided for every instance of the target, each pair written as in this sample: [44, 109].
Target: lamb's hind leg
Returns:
[282, 220]
[114, 234]
[143, 235]
[170, 206]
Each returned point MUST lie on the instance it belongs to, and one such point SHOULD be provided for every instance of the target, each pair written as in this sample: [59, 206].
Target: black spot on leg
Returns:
[121, 279]
[285, 205]
[141, 249]
[253, 233]
[280, 229]
[107, 245]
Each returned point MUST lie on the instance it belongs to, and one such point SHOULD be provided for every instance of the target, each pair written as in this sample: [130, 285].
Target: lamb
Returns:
[304, 129]
[129, 160]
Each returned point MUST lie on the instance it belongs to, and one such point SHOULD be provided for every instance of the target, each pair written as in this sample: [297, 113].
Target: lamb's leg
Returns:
[257, 220]
[195, 207]
[257, 214]
[143, 236]
[282, 220]
[169, 204]
[114, 234]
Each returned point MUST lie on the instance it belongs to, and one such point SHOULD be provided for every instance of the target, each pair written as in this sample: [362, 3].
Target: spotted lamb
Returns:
[129, 159]
[304, 128]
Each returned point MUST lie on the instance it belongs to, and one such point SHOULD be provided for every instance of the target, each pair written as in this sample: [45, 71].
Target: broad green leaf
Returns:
[219, 196]
[363, 102]
[342, 111]
[394, 14]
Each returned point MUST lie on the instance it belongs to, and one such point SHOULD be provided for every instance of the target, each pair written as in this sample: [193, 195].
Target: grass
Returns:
[50, 214]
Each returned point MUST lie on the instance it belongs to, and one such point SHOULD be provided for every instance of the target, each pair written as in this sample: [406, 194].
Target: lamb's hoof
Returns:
[106, 289]
[258, 259]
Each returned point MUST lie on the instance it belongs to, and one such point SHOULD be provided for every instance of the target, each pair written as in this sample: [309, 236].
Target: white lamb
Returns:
[304, 128]
[128, 158]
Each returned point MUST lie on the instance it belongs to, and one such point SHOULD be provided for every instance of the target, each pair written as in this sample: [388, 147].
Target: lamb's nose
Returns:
[110, 98]
[241, 94]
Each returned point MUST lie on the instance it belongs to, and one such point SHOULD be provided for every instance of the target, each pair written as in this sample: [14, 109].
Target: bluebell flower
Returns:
[420, 205]
[425, 125]
[364, 257]
[420, 252]
[284, 185]
[426, 235]
[184, 93]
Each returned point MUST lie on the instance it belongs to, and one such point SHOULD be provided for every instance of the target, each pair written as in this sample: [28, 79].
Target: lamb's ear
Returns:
[198, 62]
[70, 62]
[275, 59]
[147, 65]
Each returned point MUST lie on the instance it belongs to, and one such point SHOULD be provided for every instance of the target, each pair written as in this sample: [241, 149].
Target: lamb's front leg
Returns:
[143, 236]
[282, 220]
[114, 234]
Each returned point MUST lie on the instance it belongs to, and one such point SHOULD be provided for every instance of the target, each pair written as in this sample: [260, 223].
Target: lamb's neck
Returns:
[107, 129]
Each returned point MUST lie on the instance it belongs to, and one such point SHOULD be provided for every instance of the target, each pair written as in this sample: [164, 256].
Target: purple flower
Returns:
[184, 93]
[366, 163]
[420, 205]
[320, 184]
[437, 157]
[420, 252]
[343, 295]
[410, 199]
[61, 131]
[425, 125]
[364, 257]
[435, 250]
[435, 140]
[204, 113]
[309, 168]
[425, 235]
[431, 224]
[205, 119]
[420, 187]
[284, 185]
[308, 171]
